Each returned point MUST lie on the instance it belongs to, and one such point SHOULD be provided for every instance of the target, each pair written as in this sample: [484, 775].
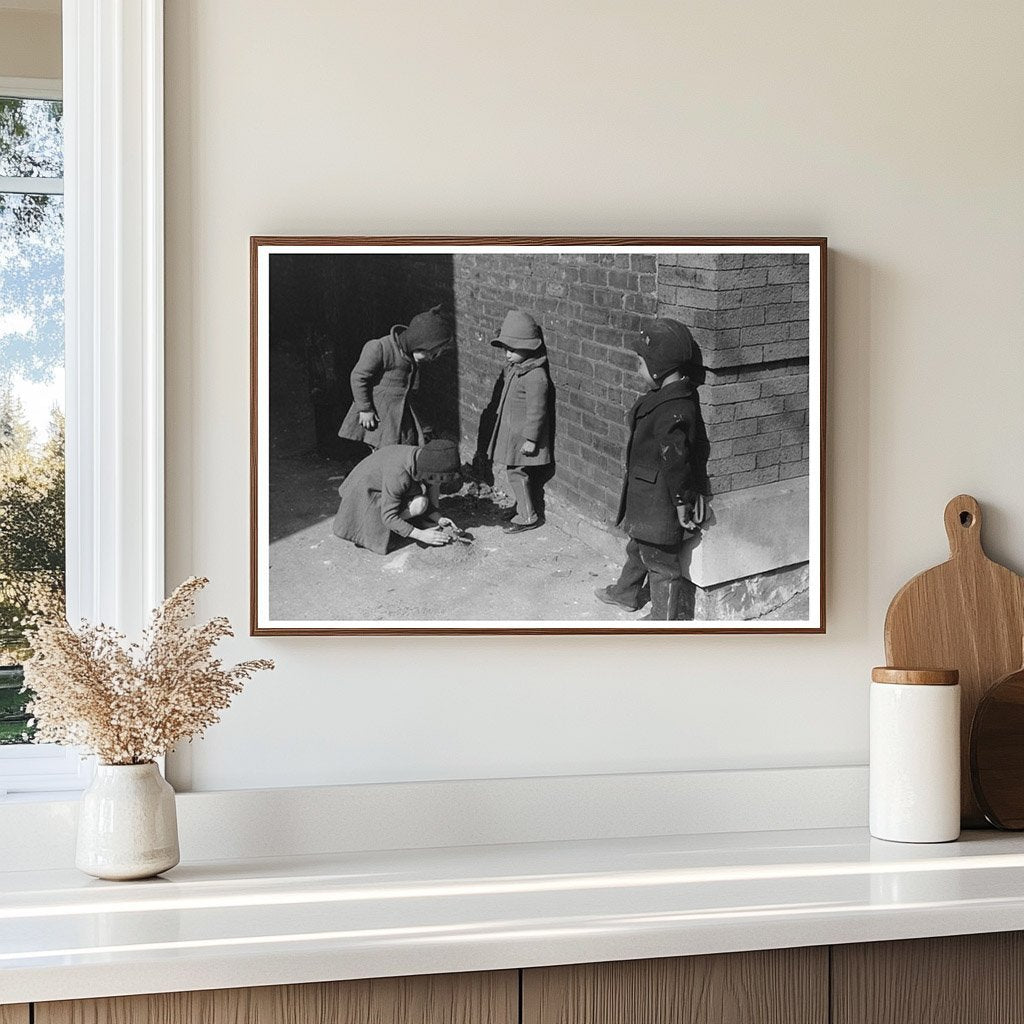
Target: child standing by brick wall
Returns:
[665, 483]
[521, 439]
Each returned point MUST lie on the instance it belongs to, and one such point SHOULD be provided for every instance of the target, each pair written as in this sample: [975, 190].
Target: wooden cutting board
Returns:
[967, 614]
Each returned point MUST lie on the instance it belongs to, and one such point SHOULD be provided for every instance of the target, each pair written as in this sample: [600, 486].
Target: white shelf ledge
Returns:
[356, 915]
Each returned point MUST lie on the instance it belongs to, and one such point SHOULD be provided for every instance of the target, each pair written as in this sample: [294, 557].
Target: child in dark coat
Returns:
[392, 490]
[666, 464]
[521, 439]
[385, 379]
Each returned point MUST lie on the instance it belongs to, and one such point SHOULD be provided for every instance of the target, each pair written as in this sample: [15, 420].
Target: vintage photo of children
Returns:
[537, 435]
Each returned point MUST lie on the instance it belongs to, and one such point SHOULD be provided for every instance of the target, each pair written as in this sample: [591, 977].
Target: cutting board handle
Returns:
[963, 526]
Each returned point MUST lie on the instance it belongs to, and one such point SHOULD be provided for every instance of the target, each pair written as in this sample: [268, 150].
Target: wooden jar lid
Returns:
[916, 676]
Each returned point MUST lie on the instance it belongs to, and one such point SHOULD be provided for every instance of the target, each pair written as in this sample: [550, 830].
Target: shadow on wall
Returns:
[324, 307]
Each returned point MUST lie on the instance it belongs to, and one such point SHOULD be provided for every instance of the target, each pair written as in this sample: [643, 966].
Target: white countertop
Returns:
[227, 924]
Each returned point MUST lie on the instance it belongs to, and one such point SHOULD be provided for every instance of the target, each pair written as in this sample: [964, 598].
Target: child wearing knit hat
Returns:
[662, 499]
[521, 438]
[385, 378]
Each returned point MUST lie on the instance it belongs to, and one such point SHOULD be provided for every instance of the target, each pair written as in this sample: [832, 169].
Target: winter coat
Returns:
[523, 415]
[382, 380]
[665, 463]
[372, 496]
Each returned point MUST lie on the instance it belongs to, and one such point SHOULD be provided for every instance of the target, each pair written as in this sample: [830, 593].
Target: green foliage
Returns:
[31, 525]
[14, 727]
[31, 549]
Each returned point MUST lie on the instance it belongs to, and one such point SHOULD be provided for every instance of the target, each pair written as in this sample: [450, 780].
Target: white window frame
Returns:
[114, 325]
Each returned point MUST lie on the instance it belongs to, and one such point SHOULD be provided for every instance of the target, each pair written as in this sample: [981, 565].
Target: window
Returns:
[32, 532]
[112, 207]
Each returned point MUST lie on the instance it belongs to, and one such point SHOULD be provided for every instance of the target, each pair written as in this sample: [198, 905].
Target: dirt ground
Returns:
[541, 575]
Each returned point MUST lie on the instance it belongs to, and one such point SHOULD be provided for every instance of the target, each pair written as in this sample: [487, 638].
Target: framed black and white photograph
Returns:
[537, 435]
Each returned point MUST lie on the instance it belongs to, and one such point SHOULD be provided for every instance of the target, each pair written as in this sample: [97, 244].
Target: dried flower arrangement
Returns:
[130, 703]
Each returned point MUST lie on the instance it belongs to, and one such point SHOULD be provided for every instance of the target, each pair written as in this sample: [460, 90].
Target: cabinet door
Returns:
[961, 979]
[779, 986]
[14, 1014]
[483, 998]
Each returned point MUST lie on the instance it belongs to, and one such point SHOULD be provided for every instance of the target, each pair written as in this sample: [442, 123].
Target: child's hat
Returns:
[519, 330]
[437, 462]
[428, 331]
[665, 345]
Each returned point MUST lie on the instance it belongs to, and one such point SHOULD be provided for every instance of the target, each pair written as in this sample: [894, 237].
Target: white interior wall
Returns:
[895, 129]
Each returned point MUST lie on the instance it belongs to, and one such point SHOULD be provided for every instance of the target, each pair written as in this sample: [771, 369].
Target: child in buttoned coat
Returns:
[663, 492]
[385, 379]
[521, 438]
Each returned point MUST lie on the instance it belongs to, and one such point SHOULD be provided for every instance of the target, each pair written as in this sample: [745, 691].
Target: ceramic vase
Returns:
[127, 825]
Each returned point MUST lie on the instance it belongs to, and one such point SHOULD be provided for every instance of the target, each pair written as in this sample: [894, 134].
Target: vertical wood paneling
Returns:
[14, 1014]
[482, 998]
[961, 979]
[780, 986]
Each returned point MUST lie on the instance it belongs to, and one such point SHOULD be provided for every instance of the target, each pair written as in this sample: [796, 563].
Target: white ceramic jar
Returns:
[127, 823]
[915, 755]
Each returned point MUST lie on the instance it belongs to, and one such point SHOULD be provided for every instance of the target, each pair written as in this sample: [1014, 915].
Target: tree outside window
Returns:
[31, 386]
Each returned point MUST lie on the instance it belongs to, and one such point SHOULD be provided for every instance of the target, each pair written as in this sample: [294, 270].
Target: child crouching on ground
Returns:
[663, 491]
[521, 439]
[393, 489]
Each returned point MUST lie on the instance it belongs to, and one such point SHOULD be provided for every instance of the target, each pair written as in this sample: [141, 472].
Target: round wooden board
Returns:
[997, 752]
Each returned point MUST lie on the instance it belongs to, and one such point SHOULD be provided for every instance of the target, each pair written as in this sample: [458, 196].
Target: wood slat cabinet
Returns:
[961, 979]
[777, 986]
[480, 998]
[967, 979]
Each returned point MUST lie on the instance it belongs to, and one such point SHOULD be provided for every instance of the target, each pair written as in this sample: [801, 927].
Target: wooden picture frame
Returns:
[756, 307]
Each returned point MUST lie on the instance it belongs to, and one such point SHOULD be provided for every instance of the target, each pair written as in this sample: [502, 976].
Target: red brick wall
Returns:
[747, 312]
[590, 306]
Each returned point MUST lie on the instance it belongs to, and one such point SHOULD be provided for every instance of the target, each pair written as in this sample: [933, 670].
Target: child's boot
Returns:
[665, 595]
[613, 595]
